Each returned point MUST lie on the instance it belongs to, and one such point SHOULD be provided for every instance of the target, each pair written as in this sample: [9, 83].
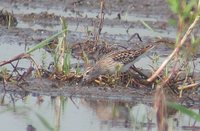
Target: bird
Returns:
[113, 62]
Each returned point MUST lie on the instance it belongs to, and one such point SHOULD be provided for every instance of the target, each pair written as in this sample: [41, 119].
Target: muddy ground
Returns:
[44, 17]
[36, 20]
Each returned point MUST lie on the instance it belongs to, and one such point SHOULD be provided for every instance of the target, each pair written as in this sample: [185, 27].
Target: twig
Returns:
[18, 57]
[100, 26]
[136, 34]
[188, 86]
[175, 51]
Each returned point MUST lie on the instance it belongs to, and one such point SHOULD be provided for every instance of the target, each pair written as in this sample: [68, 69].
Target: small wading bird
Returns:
[114, 62]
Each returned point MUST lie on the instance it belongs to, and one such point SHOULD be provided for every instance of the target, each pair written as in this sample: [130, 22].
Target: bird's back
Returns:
[121, 60]
[128, 56]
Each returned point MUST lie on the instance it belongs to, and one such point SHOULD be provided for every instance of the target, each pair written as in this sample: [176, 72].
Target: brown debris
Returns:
[7, 18]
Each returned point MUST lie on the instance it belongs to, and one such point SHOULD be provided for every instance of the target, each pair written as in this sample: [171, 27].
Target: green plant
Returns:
[62, 52]
[184, 110]
[187, 17]
[44, 42]
[184, 29]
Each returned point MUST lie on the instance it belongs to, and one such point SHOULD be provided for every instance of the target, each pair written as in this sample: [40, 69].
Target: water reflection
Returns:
[30, 128]
[109, 112]
[35, 112]
[57, 112]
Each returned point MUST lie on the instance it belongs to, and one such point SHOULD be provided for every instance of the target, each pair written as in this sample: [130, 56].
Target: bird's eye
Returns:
[87, 73]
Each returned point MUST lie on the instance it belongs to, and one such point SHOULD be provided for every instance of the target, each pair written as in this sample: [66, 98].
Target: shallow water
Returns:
[62, 113]
[90, 109]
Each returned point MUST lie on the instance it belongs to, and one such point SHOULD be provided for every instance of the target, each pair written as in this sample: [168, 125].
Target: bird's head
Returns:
[91, 73]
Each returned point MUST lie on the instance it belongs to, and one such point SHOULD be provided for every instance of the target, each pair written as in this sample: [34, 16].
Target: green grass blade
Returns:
[45, 42]
[78, 69]
[184, 110]
[64, 25]
[146, 25]
[173, 5]
[44, 122]
[66, 66]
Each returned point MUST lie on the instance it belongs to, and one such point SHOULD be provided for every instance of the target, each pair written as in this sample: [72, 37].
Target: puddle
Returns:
[41, 57]
[89, 115]
[82, 115]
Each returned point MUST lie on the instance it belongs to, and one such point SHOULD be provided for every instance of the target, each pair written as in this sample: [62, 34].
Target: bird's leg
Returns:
[138, 71]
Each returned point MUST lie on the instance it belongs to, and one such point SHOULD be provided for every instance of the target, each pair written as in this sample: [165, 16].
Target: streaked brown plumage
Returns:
[115, 61]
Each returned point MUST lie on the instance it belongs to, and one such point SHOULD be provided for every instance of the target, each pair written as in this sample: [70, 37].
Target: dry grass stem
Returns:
[176, 50]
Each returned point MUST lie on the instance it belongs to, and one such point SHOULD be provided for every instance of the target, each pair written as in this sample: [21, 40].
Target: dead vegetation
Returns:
[7, 19]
